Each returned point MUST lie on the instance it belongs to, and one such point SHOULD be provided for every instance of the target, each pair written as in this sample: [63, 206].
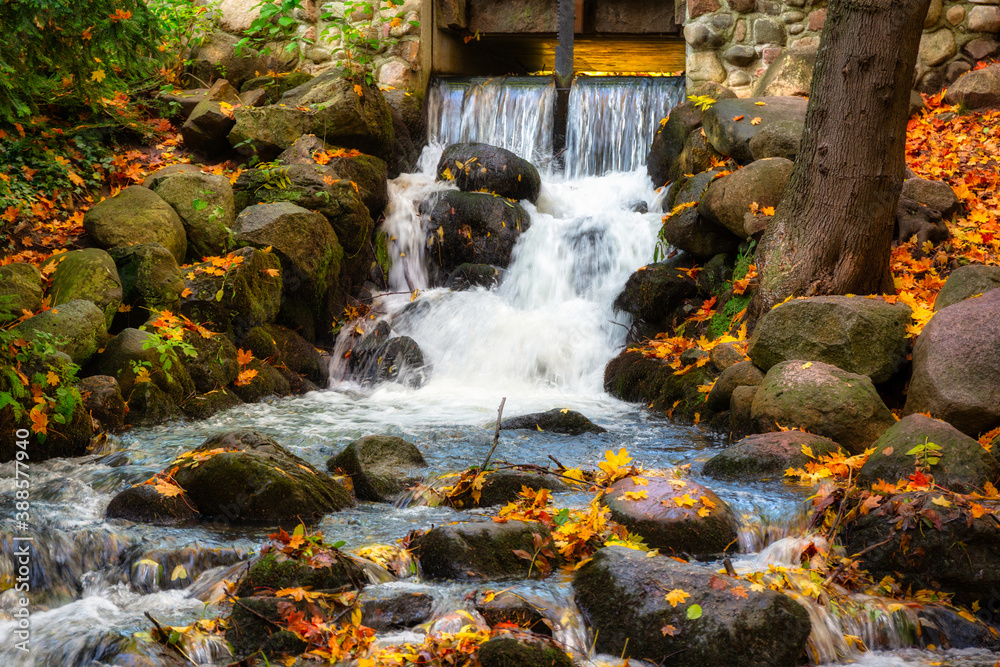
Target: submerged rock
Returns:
[390, 609]
[380, 466]
[481, 550]
[558, 420]
[767, 455]
[523, 652]
[622, 592]
[470, 276]
[382, 357]
[481, 167]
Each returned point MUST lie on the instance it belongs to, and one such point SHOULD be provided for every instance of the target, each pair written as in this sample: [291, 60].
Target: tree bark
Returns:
[832, 229]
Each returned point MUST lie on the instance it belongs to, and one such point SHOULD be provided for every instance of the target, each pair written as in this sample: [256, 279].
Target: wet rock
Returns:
[506, 651]
[621, 591]
[506, 607]
[22, 285]
[204, 406]
[215, 366]
[859, 335]
[790, 75]
[326, 106]
[150, 277]
[935, 194]
[255, 480]
[728, 200]
[204, 203]
[966, 282]
[382, 357]
[690, 232]
[767, 455]
[740, 412]
[389, 609]
[102, 400]
[725, 355]
[977, 89]
[88, 274]
[669, 140]
[504, 486]
[76, 328]
[731, 137]
[632, 377]
[267, 382]
[144, 504]
[743, 374]
[250, 295]
[697, 156]
[254, 629]
[824, 400]
[692, 189]
[963, 464]
[672, 527]
[779, 139]
[284, 348]
[276, 571]
[926, 556]
[136, 215]
[133, 349]
[476, 167]
[470, 276]
[192, 561]
[556, 420]
[653, 293]
[956, 366]
[476, 228]
[63, 440]
[482, 550]
[380, 466]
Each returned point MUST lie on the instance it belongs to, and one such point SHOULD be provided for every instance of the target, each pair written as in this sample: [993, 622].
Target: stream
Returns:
[541, 339]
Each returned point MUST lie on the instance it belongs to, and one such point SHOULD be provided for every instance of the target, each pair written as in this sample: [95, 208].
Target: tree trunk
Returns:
[832, 230]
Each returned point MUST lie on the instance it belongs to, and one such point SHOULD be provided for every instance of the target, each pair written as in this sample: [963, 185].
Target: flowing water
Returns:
[541, 339]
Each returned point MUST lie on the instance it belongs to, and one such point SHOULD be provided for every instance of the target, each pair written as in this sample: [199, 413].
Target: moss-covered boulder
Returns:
[507, 651]
[622, 593]
[742, 374]
[966, 282]
[790, 74]
[142, 503]
[380, 466]
[276, 86]
[233, 300]
[729, 199]
[956, 366]
[205, 405]
[204, 203]
[368, 172]
[779, 139]
[327, 106]
[274, 571]
[728, 127]
[631, 376]
[310, 257]
[133, 356]
[208, 123]
[508, 607]
[20, 290]
[136, 215]
[484, 168]
[482, 550]
[504, 486]
[654, 292]
[859, 335]
[253, 479]
[283, 347]
[214, 366]
[557, 420]
[102, 400]
[69, 436]
[821, 399]
[475, 227]
[151, 279]
[674, 516]
[767, 455]
[268, 381]
[255, 628]
[957, 462]
[88, 274]
[76, 328]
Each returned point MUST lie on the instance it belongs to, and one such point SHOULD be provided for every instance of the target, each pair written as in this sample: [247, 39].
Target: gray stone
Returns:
[938, 195]
[977, 89]
[729, 198]
[738, 78]
[981, 48]
[740, 55]
[781, 139]
[790, 75]
[481, 550]
[743, 374]
[966, 282]
[955, 14]
[933, 13]
[768, 31]
[731, 137]
[705, 66]
[379, 466]
[936, 48]
[984, 19]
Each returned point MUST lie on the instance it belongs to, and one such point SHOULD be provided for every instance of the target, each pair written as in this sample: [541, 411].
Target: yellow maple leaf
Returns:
[614, 462]
[677, 596]
[941, 501]
[635, 495]
[685, 500]
[52, 379]
[245, 377]
[97, 75]
[165, 488]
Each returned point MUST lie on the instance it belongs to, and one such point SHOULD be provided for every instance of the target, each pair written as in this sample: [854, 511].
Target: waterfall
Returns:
[612, 121]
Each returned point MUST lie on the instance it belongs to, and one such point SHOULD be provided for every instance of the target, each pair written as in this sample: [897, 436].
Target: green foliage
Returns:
[722, 320]
[71, 53]
[276, 23]
[185, 25]
[361, 40]
[927, 454]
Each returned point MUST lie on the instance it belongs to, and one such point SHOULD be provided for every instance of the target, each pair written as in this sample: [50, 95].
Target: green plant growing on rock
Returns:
[361, 41]
[927, 454]
[276, 22]
[185, 25]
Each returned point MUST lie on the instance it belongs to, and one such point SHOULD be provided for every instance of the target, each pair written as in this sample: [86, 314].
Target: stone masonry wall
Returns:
[733, 42]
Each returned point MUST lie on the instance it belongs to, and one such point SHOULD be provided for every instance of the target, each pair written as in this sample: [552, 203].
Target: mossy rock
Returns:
[633, 377]
[77, 329]
[22, 284]
[742, 374]
[484, 168]
[133, 348]
[507, 651]
[204, 406]
[382, 357]
[669, 141]
[88, 274]
[66, 440]
[687, 230]
[215, 365]
[103, 400]
[204, 203]
[149, 405]
[557, 420]
[478, 551]
[284, 347]
[150, 276]
[144, 504]
[274, 571]
[767, 455]
[729, 199]
[966, 282]
[504, 486]
[380, 466]
[267, 382]
[257, 481]
[136, 215]
[276, 86]
[476, 228]
[655, 292]
[254, 628]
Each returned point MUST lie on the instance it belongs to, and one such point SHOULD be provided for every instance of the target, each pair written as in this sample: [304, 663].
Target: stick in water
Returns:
[496, 435]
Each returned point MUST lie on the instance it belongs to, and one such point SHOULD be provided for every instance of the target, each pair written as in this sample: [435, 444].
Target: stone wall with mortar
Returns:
[733, 42]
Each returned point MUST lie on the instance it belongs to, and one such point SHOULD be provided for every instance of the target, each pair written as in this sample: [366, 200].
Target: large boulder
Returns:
[21, 284]
[732, 137]
[669, 141]
[675, 516]
[687, 230]
[136, 215]
[476, 228]
[204, 203]
[654, 292]
[966, 282]
[767, 455]
[310, 257]
[484, 168]
[284, 348]
[742, 374]
[957, 462]
[102, 399]
[243, 293]
[142, 503]
[246, 477]
[789, 75]
[77, 328]
[821, 399]
[956, 366]
[937, 195]
[132, 350]
[327, 106]
[977, 89]
[729, 199]
[782, 138]
[88, 274]
[380, 466]
[481, 550]
[623, 593]
[150, 277]
[558, 420]
[860, 335]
